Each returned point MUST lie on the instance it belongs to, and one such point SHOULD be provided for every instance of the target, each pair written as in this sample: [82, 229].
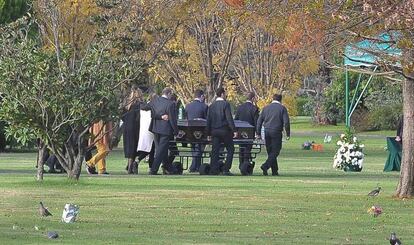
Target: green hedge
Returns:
[302, 105]
[384, 117]
[11, 10]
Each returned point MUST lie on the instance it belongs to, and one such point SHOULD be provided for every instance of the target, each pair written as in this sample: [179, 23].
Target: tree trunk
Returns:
[116, 136]
[323, 79]
[40, 155]
[75, 172]
[405, 186]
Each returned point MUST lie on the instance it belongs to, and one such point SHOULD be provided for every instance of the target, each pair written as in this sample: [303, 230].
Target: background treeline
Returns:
[241, 45]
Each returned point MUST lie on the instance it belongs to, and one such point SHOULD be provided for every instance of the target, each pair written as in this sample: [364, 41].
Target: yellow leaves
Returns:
[309, 66]
[147, 37]
[262, 102]
[408, 68]
[265, 95]
[231, 91]
[74, 18]
[405, 43]
[235, 3]
[75, 3]
[289, 101]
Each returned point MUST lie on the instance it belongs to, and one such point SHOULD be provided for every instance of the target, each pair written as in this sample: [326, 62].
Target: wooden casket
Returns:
[195, 130]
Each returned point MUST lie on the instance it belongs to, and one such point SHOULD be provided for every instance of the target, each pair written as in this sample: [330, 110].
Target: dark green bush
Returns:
[384, 117]
[302, 105]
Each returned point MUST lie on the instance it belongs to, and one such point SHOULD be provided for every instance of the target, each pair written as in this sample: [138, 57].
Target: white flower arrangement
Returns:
[349, 156]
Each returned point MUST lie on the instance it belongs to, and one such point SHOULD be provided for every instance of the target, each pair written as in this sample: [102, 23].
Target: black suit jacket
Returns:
[163, 106]
[247, 112]
[196, 109]
[219, 116]
[274, 117]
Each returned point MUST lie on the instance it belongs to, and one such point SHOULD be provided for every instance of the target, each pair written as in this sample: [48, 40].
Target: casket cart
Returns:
[194, 132]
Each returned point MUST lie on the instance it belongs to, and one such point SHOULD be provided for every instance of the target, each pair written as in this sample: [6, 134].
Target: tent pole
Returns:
[363, 91]
[347, 116]
[355, 93]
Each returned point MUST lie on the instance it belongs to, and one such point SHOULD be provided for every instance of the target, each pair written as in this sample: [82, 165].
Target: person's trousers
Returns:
[273, 146]
[245, 153]
[196, 153]
[143, 154]
[99, 158]
[221, 136]
[173, 151]
[161, 152]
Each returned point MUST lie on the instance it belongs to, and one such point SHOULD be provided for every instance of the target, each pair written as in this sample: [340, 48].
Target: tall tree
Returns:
[201, 51]
[60, 82]
[10, 10]
[369, 20]
[273, 59]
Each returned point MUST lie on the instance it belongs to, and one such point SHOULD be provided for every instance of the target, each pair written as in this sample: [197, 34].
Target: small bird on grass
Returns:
[394, 240]
[375, 192]
[52, 234]
[375, 210]
[44, 212]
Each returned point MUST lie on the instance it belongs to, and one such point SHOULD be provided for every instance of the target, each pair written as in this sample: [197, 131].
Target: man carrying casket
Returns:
[247, 112]
[197, 109]
[220, 126]
[274, 118]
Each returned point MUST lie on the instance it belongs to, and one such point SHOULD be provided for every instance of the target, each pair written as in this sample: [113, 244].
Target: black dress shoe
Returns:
[213, 173]
[264, 170]
[134, 168]
[152, 173]
[275, 174]
[90, 170]
[52, 171]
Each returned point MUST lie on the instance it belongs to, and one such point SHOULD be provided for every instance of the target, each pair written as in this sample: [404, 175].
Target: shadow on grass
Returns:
[17, 171]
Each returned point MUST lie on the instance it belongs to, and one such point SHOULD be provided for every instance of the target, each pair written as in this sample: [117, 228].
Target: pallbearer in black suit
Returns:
[163, 130]
[220, 126]
[247, 112]
[197, 109]
[274, 118]
[173, 149]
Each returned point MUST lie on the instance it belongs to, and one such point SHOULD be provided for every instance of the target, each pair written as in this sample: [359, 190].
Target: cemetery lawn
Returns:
[310, 203]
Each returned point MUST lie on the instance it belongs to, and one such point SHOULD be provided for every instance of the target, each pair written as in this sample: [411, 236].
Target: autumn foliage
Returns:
[235, 3]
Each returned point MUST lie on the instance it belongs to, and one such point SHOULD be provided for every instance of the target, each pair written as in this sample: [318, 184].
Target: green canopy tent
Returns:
[366, 55]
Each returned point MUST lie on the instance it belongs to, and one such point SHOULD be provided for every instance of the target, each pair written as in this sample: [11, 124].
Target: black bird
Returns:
[43, 211]
[394, 240]
[52, 234]
[375, 192]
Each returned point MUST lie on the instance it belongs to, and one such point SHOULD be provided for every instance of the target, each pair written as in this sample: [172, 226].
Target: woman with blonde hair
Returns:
[131, 119]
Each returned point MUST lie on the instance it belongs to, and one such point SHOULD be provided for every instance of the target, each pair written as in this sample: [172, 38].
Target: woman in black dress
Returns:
[131, 118]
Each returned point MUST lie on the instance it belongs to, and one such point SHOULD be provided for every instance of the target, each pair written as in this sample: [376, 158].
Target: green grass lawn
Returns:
[310, 203]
